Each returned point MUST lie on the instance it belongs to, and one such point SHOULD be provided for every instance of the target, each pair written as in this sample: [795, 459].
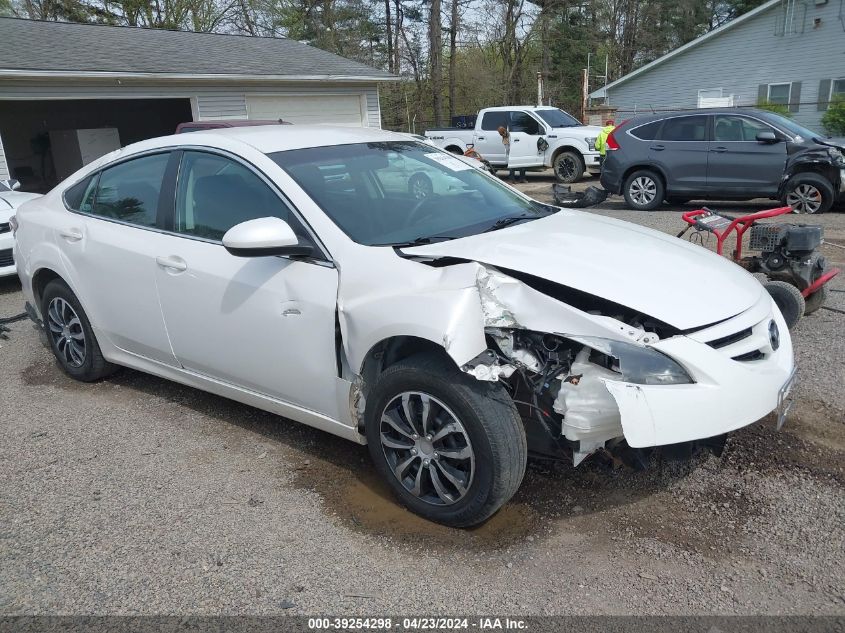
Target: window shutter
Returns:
[824, 94]
[762, 94]
[794, 96]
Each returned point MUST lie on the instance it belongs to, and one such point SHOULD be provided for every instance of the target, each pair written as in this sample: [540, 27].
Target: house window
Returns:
[778, 93]
[837, 88]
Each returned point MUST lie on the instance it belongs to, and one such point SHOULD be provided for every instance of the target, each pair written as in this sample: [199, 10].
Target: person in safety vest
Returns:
[601, 140]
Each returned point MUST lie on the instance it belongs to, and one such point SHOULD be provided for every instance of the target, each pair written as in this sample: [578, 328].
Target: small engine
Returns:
[788, 251]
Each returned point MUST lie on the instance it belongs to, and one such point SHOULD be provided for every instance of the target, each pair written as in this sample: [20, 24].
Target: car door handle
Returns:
[71, 235]
[172, 263]
[479, 138]
[516, 140]
[658, 148]
[720, 150]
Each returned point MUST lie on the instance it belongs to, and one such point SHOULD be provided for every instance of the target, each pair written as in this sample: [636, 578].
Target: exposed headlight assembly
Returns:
[637, 364]
[836, 155]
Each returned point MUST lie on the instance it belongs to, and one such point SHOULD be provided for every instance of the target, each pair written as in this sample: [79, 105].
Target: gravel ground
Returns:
[140, 496]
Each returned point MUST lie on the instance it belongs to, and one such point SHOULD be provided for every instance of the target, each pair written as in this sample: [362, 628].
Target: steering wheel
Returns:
[416, 213]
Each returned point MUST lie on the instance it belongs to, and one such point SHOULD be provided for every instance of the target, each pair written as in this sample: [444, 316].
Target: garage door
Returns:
[326, 109]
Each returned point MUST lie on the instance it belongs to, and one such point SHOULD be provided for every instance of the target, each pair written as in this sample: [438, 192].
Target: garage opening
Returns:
[46, 141]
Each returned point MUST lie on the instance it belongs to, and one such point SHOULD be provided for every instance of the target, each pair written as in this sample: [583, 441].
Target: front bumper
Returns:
[727, 394]
[591, 159]
[7, 263]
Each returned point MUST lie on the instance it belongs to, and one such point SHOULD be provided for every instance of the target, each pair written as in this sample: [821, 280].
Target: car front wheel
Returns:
[808, 193]
[643, 190]
[452, 448]
[70, 334]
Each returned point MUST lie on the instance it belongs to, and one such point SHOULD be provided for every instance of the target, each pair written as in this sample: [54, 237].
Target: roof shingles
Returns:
[61, 46]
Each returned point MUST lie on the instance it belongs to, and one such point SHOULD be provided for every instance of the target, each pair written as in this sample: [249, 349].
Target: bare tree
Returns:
[435, 59]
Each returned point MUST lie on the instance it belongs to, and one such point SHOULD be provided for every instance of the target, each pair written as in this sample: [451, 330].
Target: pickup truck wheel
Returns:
[568, 167]
[420, 187]
[808, 193]
[643, 190]
[452, 448]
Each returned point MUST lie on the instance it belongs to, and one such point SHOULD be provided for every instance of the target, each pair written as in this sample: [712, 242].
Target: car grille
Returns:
[745, 337]
[6, 258]
[4, 227]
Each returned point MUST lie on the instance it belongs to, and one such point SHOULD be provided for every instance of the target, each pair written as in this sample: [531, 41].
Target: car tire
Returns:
[788, 299]
[808, 193]
[482, 432]
[420, 186]
[643, 190]
[568, 167]
[815, 300]
[70, 335]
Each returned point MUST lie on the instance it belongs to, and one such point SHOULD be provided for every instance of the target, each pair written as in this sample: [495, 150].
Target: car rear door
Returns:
[265, 324]
[524, 130]
[680, 150]
[739, 164]
[110, 242]
[487, 140]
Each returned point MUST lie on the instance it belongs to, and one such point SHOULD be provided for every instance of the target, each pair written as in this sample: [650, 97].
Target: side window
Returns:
[523, 122]
[129, 191]
[80, 197]
[736, 128]
[215, 193]
[684, 128]
[647, 132]
[492, 121]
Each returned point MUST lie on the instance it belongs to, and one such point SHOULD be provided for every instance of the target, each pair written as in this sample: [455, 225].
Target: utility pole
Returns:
[585, 80]
[539, 89]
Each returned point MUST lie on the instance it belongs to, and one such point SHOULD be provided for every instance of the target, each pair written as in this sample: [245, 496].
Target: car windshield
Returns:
[793, 128]
[557, 118]
[404, 192]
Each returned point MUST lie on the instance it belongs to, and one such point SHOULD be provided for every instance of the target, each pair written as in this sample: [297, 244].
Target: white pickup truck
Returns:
[569, 147]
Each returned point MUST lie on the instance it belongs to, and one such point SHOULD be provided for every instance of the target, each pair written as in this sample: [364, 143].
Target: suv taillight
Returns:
[611, 141]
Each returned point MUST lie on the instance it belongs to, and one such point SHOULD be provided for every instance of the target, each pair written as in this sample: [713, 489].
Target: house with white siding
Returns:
[790, 52]
[70, 92]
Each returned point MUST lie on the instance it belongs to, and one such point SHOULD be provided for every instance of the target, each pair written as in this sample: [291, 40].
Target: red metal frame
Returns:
[741, 225]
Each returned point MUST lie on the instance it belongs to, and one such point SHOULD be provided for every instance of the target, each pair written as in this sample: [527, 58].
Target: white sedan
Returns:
[452, 333]
[10, 200]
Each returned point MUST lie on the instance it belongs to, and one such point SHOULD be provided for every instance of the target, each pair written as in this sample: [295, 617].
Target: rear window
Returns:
[494, 120]
[647, 132]
[80, 197]
[684, 128]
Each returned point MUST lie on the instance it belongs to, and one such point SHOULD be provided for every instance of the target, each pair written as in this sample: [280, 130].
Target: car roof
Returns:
[655, 116]
[520, 107]
[266, 138]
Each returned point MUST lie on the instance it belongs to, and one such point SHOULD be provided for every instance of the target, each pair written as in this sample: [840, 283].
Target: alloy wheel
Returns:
[65, 329]
[566, 167]
[427, 448]
[805, 198]
[643, 190]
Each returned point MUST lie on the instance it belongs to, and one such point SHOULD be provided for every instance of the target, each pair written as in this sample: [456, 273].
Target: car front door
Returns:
[680, 150]
[525, 130]
[110, 242]
[738, 163]
[265, 324]
[487, 140]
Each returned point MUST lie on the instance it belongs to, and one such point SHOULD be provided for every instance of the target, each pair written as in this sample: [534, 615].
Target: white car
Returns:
[10, 199]
[453, 333]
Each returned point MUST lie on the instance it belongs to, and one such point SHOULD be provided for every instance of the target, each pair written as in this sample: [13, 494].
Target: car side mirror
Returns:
[766, 137]
[11, 183]
[264, 237]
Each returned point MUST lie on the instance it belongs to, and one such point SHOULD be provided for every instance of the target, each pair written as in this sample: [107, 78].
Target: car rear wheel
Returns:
[452, 448]
[643, 190]
[788, 299]
[70, 334]
[568, 167]
[808, 193]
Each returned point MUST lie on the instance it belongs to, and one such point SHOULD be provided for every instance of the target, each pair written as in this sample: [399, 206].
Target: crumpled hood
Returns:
[11, 200]
[667, 278]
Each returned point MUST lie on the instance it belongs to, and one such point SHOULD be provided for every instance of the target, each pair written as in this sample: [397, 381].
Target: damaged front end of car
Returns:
[558, 380]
